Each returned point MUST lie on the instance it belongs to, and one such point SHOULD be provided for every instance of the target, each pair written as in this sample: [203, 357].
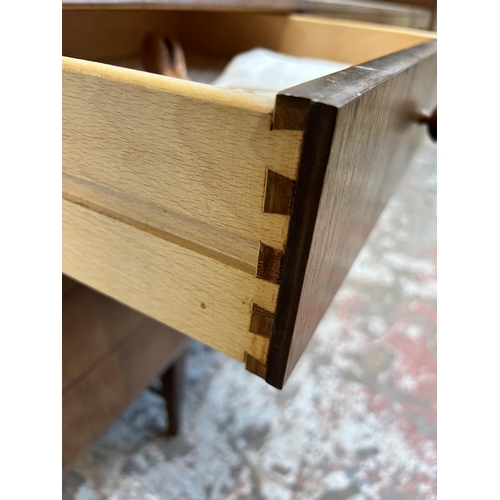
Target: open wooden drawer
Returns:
[233, 217]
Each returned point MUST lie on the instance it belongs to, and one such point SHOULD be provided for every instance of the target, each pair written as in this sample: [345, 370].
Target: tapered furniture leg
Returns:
[172, 386]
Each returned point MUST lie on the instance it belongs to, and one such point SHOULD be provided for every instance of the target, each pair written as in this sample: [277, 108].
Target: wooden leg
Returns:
[172, 384]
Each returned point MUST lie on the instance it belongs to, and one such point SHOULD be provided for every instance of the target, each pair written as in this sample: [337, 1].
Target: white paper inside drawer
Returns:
[265, 72]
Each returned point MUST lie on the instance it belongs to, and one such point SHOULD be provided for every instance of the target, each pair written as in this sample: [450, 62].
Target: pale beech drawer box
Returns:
[232, 217]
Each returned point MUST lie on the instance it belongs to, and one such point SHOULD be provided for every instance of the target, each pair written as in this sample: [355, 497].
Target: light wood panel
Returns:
[104, 35]
[192, 293]
[298, 35]
[188, 148]
[187, 232]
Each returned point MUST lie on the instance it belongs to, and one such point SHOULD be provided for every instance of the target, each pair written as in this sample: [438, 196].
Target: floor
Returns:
[356, 420]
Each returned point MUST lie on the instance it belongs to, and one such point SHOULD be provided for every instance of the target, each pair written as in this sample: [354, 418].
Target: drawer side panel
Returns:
[187, 148]
[192, 293]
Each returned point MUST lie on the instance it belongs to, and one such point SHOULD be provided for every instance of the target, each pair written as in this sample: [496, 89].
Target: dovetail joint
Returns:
[269, 264]
[290, 112]
[279, 193]
[253, 365]
[261, 321]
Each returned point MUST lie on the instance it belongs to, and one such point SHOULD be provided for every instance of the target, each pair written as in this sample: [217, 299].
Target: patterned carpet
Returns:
[356, 420]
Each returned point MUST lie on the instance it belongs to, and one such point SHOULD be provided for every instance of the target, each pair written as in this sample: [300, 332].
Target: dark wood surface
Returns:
[427, 4]
[110, 354]
[263, 5]
[92, 324]
[279, 193]
[269, 264]
[68, 285]
[243, 5]
[172, 381]
[411, 15]
[360, 134]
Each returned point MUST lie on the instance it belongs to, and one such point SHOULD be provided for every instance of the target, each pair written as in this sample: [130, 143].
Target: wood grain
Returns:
[187, 148]
[342, 191]
[118, 352]
[92, 324]
[192, 293]
[228, 248]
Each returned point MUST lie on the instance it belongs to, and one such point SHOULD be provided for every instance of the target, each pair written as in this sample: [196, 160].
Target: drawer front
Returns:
[233, 218]
[360, 132]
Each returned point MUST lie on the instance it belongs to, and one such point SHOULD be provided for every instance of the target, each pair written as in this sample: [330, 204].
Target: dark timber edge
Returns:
[313, 107]
[319, 124]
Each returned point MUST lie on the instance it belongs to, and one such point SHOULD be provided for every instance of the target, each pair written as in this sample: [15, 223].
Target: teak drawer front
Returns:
[366, 119]
[110, 353]
[234, 218]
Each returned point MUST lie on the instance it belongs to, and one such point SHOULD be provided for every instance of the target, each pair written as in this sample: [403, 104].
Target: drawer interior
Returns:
[211, 39]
